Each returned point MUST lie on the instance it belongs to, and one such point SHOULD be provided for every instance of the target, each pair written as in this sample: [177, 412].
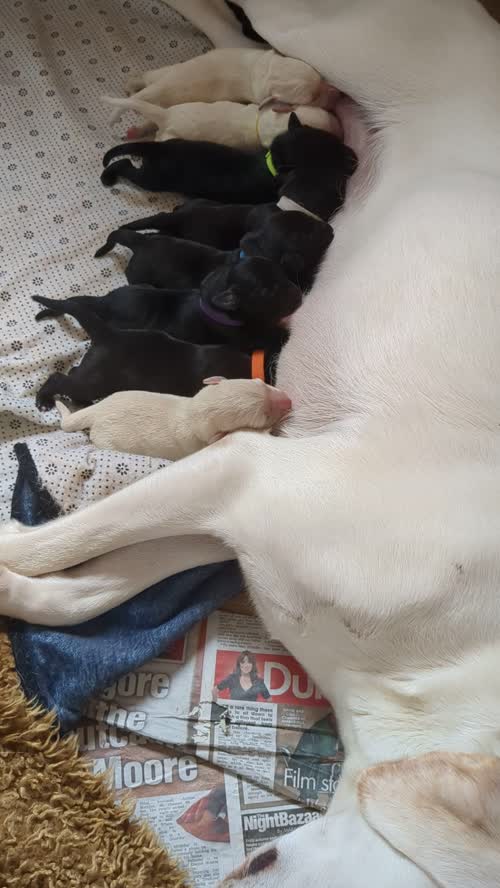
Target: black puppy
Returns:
[307, 165]
[316, 167]
[144, 360]
[250, 324]
[207, 222]
[198, 169]
[255, 282]
[293, 239]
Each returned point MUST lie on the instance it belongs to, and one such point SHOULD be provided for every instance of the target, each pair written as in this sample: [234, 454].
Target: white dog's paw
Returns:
[16, 552]
[8, 603]
[16, 598]
[134, 83]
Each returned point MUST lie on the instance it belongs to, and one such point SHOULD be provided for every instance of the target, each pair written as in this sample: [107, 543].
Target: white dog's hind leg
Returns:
[83, 592]
[185, 498]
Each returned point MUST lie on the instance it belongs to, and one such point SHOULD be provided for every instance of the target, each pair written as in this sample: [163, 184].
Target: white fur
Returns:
[369, 535]
[236, 75]
[171, 427]
[228, 123]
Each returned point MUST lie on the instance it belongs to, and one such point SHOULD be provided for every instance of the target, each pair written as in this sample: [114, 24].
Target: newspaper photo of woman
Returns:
[206, 819]
[244, 683]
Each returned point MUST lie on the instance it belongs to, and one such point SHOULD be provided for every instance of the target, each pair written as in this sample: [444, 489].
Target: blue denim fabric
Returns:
[63, 668]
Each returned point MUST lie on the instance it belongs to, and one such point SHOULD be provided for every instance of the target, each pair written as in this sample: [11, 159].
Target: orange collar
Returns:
[258, 368]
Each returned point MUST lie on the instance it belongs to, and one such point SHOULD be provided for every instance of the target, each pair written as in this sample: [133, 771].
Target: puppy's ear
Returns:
[213, 380]
[442, 811]
[227, 300]
[293, 122]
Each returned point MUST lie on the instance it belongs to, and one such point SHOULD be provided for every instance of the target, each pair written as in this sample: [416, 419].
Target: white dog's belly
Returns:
[405, 311]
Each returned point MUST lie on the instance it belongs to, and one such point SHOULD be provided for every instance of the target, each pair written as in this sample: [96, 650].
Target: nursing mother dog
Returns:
[369, 531]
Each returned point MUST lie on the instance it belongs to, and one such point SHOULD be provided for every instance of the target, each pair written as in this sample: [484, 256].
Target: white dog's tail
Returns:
[153, 113]
[74, 422]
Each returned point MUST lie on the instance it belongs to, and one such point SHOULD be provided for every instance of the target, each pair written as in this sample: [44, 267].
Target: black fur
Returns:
[316, 166]
[290, 238]
[293, 239]
[255, 282]
[207, 222]
[246, 25]
[198, 169]
[122, 360]
[177, 312]
[312, 167]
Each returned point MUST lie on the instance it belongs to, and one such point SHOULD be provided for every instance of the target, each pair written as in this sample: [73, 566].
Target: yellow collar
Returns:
[270, 165]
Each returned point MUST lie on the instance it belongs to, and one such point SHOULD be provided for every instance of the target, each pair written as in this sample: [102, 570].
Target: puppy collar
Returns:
[218, 317]
[286, 203]
[258, 366]
[270, 164]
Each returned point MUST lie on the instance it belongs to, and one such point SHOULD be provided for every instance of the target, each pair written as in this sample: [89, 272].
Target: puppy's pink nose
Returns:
[279, 404]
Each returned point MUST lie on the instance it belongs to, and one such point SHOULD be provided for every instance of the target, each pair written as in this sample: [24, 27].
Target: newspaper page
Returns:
[223, 741]
[206, 818]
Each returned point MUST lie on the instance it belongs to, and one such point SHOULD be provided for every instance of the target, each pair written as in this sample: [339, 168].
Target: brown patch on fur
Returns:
[263, 861]
[253, 866]
[443, 784]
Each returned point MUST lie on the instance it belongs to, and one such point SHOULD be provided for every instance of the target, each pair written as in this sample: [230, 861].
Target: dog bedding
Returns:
[56, 60]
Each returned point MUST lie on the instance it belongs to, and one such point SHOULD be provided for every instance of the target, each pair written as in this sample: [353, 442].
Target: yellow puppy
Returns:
[171, 427]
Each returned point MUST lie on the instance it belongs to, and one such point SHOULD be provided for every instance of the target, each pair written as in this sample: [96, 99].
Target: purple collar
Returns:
[218, 317]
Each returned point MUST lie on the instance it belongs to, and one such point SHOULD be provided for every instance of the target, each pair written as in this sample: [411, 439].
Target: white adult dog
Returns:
[369, 534]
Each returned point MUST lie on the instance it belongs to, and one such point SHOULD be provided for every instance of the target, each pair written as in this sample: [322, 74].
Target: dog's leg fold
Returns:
[186, 498]
[83, 592]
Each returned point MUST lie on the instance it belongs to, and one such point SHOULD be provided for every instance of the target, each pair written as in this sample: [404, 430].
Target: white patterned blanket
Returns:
[56, 60]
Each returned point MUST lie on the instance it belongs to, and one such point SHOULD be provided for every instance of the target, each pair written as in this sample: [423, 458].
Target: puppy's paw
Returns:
[108, 177]
[134, 83]
[45, 401]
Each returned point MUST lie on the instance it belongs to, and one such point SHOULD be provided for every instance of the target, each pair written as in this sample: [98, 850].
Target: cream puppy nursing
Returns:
[171, 427]
[234, 75]
[227, 123]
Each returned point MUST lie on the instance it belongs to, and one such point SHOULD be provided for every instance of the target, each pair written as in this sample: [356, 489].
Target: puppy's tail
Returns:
[151, 112]
[77, 421]
[53, 307]
[123, 236]
[96, 328]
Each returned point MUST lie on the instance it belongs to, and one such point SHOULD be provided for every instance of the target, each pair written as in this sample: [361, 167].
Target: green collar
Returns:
[270, 165]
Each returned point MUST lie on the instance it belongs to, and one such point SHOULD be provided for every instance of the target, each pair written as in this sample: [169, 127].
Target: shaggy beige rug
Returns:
[61, 826]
